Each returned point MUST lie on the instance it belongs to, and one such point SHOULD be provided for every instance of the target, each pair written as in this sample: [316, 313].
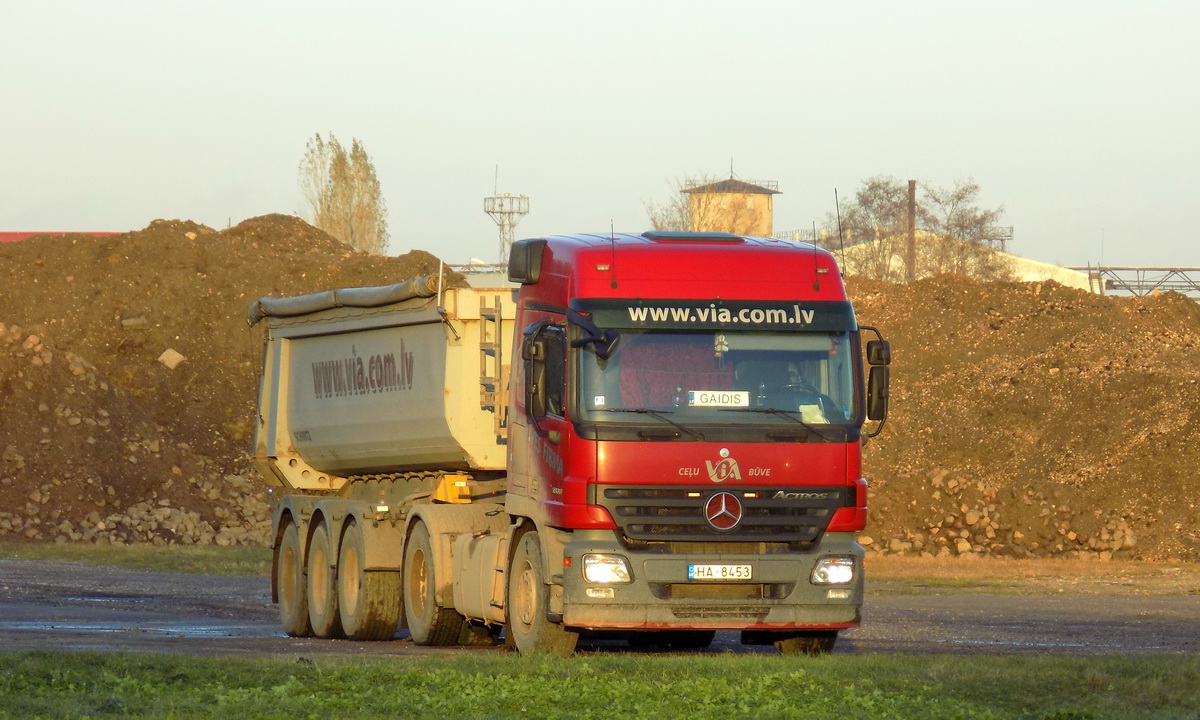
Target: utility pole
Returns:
[507, 210]
[910, 259]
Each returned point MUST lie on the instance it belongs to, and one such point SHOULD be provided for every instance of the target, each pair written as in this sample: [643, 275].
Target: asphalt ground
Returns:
[75, 607]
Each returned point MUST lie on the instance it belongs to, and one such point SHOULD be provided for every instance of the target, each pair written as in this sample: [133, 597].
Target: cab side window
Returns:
[556, 370]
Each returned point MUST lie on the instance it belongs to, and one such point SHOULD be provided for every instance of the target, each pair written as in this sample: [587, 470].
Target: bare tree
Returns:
[954, 234]
[876, 222]
[959, 233]
[673, 214]
[691, 207]
[343, 193]
[314, 176]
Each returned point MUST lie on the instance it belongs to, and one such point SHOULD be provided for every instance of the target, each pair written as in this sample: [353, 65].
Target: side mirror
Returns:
[877, 392]
[607, 344]
[604, 341]
[879, 352]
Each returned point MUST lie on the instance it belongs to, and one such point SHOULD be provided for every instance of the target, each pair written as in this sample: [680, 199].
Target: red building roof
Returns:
[735, 186]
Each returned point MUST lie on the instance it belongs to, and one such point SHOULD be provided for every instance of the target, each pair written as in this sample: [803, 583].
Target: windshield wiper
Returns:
[660, 415]
[784, 413]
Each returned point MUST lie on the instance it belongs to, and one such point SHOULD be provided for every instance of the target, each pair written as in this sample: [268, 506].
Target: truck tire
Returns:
[368, 602]
[322, 586]
[428, 624]
[529, 600]
[813, 642]
[290, 583]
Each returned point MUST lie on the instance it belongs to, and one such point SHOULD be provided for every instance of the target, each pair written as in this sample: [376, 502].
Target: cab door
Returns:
[544, 400]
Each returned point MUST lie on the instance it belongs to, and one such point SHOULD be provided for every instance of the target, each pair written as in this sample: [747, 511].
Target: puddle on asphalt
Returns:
[168, 630]
[121, 599]
[1030, 644]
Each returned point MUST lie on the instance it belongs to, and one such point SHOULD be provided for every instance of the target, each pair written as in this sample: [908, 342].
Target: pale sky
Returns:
[1080, 118]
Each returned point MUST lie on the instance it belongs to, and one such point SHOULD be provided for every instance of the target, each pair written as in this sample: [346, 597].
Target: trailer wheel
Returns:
[369, 602]
[528, 602]
[816, 642]
[322, 589]
[428, 624]
[289, 579]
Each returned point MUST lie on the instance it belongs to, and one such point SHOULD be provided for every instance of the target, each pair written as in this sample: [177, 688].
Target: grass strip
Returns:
[60, 685]
[200, 559]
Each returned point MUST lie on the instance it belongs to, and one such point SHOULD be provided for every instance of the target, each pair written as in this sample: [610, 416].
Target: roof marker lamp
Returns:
[606, 569]
[833, 570]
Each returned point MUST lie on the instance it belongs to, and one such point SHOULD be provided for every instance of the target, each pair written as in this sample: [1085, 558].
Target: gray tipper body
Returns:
[382, 380]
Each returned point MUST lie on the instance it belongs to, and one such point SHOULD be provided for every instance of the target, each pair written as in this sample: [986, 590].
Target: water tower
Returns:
[507, 210]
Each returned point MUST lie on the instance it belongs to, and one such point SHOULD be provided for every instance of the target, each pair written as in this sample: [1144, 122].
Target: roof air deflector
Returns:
[681, 236]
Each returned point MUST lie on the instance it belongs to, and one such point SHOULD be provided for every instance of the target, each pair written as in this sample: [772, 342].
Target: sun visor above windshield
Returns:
[799, 315]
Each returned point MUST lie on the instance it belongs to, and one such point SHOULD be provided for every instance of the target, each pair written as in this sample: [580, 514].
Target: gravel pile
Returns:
[129, 376]
[1035, 419]
[1027, 419]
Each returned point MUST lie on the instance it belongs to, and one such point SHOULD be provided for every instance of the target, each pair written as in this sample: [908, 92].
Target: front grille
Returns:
[795, 515]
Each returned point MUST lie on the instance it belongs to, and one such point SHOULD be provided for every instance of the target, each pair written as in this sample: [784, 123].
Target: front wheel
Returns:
[529, 600]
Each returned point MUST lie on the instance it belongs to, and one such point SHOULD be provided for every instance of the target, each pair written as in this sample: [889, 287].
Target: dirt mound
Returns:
[1035, 419]
[82, 461]
[114, 306]
[1027, 419]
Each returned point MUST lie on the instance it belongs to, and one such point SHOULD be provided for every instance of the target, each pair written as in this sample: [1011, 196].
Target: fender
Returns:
[445, 523]
[384, 546]
[553, 540]
[298, 509]
[382, 551]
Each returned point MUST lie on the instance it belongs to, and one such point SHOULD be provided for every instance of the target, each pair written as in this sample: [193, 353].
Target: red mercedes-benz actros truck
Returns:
[650, 437]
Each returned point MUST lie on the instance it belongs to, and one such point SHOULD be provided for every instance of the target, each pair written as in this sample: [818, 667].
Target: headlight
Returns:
[835, 570]
[606, 569]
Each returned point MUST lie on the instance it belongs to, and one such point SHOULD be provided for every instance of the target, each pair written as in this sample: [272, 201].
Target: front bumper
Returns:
[780, 595]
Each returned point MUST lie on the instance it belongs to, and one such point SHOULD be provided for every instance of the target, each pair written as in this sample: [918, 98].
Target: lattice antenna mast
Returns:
[507, 210]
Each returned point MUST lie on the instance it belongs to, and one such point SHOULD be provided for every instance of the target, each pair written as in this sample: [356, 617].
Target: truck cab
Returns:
[685, 436]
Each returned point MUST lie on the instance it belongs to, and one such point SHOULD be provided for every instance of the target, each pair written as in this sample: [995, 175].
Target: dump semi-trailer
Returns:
[651, 436]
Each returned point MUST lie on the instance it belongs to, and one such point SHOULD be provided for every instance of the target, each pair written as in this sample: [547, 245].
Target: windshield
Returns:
[722, 377]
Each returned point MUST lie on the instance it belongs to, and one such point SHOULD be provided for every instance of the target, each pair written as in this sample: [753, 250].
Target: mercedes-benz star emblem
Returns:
[723, 511]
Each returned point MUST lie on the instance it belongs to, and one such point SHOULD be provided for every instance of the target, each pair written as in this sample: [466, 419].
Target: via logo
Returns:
[724, 469]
